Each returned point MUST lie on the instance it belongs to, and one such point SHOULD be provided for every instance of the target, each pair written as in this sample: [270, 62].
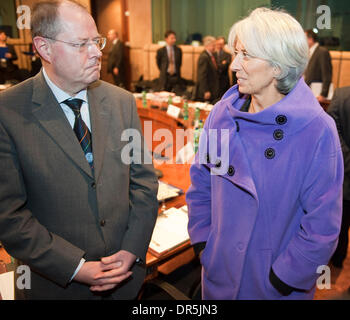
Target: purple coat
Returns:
[277, 202]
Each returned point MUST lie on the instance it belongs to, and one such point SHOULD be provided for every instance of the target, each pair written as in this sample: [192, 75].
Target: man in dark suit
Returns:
[116, 63]
[319, 68]
[169, 61]
[339, 109]
[207, 86]
[223, 61]
[73, 207]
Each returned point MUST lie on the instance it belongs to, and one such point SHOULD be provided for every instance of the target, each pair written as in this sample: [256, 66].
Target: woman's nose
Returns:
[236, 63]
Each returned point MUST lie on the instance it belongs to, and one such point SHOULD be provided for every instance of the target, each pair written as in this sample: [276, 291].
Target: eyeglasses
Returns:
[100, 43]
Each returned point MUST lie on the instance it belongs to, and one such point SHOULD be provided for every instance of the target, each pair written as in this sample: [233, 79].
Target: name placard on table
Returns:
[173, 111]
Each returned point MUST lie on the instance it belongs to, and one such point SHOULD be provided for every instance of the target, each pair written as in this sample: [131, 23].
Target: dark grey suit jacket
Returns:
[319, 69]
[53, 209]
[223, 60]
[162, 60]
[116, 59]
[339, 109]
[207, 78]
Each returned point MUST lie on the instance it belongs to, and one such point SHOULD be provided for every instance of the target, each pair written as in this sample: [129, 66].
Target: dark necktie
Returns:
[81, 130]
[214, 61]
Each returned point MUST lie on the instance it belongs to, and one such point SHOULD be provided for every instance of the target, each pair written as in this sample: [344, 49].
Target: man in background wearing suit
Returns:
[169, 61]
[8, 70]
[223, 61]
[319, 68]
[70, 207]
[339, 109]
[207, 86]
[115, 64]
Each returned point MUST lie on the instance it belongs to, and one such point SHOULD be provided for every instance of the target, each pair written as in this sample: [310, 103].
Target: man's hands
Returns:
[321, 99]
[107, 273]
[207, 95]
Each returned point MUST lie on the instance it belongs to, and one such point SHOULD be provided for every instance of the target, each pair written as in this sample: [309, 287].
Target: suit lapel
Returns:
[52, 118]
[211, 61]
[100, 115]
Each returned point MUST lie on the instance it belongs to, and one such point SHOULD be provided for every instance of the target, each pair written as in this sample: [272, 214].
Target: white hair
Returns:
[275, 36]
[208, 40]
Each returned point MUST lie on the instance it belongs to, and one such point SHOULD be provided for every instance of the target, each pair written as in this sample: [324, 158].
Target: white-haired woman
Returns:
[267, 216]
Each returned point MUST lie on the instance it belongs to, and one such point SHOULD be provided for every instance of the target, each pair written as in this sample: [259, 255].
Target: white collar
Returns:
[313, 49]
[61, 95]
[210, 54]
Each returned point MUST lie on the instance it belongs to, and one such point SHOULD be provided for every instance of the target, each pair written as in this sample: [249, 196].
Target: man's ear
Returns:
[43, 48]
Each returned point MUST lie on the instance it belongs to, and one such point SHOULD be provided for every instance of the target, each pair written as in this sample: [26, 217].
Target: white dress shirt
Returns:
[61, 96]
[312, 49]
[170, 50]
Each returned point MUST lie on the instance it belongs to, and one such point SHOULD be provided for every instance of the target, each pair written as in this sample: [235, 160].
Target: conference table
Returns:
[174, 173]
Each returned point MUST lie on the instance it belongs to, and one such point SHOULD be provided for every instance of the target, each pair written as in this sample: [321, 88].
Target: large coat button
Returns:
[231, 171]
[269, 153]
[278, 134]
[240, 246]
[281, 119]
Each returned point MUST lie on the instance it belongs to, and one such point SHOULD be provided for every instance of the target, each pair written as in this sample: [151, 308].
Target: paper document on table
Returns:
[186, 154]
[7, 286]
[169, 232]
[167, 191]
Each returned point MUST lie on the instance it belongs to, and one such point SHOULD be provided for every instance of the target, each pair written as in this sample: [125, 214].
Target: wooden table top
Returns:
[177, 175]
[4, 256]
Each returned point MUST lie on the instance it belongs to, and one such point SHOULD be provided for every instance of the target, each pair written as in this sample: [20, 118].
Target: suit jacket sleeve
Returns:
[21, 233]
[202, 78]
[179, 62]
[116, 57]
[326, 69]
[340, 115]
[159, 58]
[143, 201]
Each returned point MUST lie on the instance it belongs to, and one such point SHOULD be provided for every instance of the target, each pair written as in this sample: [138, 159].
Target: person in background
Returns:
[116, 61]
[35, 61]
[266, 184]
[207, 86]
[339, 109]
[319, 68]
[8, 70]
[72, 207]
[223, 60]
[169, 61]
